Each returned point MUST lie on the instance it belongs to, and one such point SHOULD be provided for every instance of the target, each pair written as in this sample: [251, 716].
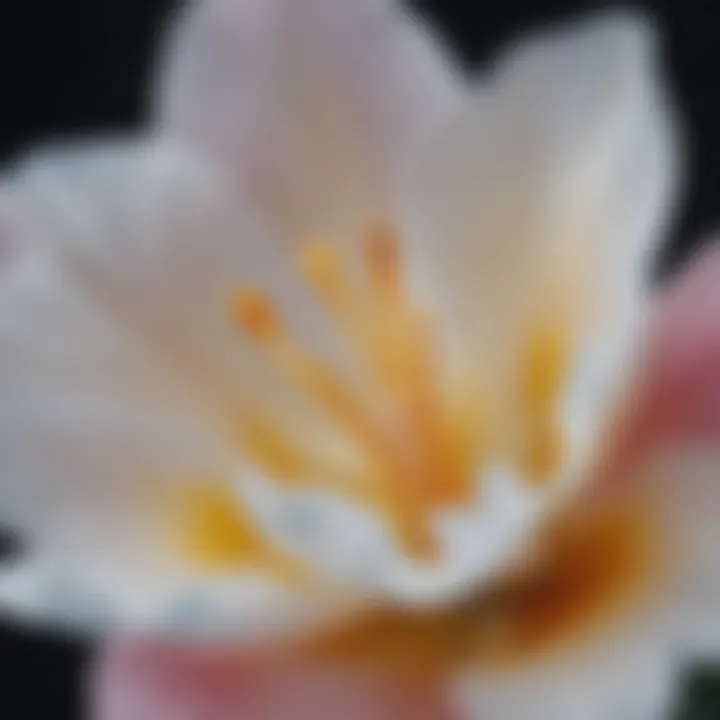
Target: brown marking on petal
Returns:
[590, 563]
[594, 561]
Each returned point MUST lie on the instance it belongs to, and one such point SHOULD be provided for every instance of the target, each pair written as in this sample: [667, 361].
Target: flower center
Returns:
[420, 429]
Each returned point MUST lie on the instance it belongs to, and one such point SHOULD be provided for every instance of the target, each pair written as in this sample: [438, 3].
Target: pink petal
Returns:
[687, 349]
[677, 399]
[155, 681]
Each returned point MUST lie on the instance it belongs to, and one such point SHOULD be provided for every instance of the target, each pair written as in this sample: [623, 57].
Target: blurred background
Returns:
[81, 65]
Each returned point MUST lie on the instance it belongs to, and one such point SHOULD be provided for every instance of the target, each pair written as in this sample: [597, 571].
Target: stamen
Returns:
[273, 450]
[383, 260]
[321, 268]
[260, 321]
[256, 314]
[403, 411]
[293, 461]
[404, 356]
[542, 371]
[544, 364]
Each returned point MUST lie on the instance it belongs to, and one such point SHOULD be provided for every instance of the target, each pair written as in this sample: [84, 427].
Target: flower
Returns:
[337, 349]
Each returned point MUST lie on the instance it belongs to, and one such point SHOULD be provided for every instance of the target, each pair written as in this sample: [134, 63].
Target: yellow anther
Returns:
[544, 363]
[319, 264]
[543, 370]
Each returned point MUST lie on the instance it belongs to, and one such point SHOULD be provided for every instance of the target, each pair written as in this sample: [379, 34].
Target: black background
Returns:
[67, 66]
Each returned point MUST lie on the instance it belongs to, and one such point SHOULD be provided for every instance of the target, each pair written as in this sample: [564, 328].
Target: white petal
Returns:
[355, 546]
[120, 372]
[124, 374]
[685, 484]
[318, 104]
[634, 679]
[547, 194]
[564, 153]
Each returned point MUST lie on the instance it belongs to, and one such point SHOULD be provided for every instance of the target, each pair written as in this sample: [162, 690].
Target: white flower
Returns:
[344, 335]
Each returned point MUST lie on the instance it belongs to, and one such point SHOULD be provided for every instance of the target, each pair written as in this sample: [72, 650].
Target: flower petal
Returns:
[121, 371]
[543, 201]
[318, 105]
[682, 378]
[564, 156]
[120, 348]
[632, 664]
[683, 483]
[143, 681]
[675, 398]
[633, 679]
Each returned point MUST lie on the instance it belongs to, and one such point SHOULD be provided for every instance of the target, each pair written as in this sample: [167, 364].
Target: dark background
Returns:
[67, 66]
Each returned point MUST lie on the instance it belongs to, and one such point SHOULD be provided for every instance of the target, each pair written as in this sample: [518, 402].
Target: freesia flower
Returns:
[335, 355]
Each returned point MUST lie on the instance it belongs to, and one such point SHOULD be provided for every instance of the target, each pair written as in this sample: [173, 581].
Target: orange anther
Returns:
[255, 313]
[383, 260]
